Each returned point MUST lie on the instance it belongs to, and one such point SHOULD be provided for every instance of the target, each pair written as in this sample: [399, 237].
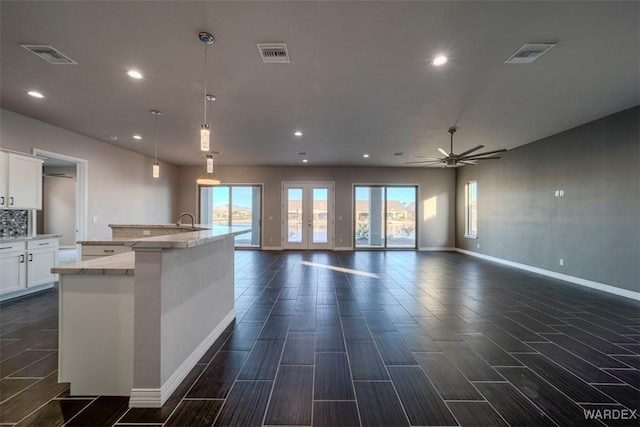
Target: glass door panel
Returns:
[233, 205]
[294, 215]
[369, 220]
[320, 200]
[401, 218]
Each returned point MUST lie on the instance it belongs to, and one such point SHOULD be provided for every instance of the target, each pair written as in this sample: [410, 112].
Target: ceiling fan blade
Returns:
[443, 152]
[470, 151]
[434, 161]
[481, 158]
[464, 162]
[486, 153]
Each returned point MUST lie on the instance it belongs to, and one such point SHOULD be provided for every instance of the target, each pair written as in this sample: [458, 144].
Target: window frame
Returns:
[468, 216]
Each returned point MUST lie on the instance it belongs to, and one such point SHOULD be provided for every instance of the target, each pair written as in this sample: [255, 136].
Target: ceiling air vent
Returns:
[49, 54]
[302, 153]
[529, 53]
[274, 53]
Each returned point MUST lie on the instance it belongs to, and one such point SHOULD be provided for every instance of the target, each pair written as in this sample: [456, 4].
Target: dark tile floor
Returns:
[366, 338]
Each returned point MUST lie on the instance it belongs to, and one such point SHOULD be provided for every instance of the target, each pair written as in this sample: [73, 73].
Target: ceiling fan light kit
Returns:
[452, 160]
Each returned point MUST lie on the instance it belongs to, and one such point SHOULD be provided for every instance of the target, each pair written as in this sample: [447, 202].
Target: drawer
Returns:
[42, 244]
[103, 250]
[11, 247]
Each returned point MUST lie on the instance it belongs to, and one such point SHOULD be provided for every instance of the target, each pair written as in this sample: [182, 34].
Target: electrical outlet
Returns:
[561, 261]
[557, 193]
[478, 244]
[94, 219]
[561, 193]
[146, 232]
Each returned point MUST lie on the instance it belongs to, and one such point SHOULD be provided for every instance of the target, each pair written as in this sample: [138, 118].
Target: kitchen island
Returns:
[136, 323]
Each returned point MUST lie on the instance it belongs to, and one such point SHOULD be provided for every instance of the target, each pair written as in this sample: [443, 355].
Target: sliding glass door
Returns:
[233, 205]
[385, 216]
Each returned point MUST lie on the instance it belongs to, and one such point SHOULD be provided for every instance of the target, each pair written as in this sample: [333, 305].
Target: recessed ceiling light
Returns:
[137, 137]
[297, 133]
[113, 138]
[366, 156]
[135, 74]
[439, 60]
[35, 94]
[305, 161]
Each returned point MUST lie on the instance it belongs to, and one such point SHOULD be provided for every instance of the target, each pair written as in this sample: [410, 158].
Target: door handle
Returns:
[21, 259]
[1, 200]
[30, 257]
[11, 201]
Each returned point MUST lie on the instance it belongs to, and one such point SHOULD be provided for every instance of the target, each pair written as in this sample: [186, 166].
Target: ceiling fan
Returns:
[452, 160]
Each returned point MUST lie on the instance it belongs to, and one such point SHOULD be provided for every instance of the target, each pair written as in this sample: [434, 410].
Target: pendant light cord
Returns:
[205, 83]
[156, 138]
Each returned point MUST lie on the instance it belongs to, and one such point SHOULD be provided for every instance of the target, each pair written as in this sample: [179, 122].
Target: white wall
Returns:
[436, 208]
[120, 186]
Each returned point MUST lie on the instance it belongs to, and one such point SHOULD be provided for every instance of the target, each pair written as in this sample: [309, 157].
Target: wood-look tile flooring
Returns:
[365, 338]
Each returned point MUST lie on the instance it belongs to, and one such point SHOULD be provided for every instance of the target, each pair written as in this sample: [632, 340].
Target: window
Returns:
[471, 209]
[385, 216]
[233, 205]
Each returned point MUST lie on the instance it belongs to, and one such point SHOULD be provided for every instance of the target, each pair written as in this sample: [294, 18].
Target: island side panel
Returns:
[197, 302]
[147, 315]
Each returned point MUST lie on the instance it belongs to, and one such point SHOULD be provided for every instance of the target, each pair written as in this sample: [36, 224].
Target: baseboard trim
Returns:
[436, 249]
[272, 248]
[155, 398]
[24, 292]
[567, 278]
[343, 248]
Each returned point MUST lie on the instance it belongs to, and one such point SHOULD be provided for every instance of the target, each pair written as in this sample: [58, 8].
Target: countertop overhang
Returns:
[14, 239]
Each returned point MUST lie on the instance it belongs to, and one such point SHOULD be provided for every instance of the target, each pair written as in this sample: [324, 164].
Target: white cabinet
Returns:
[13, 267]
[20, 181]
[25, 265]
[42, 256]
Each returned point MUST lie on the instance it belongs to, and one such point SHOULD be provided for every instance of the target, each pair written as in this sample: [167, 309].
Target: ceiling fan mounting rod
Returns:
[452, 130]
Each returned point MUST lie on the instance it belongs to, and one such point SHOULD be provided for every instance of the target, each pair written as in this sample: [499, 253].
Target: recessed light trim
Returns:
[35, 94]
[135, 74]
[298, 133]
[365, 155]
[305, 161]
[138, 137]
[439, 60]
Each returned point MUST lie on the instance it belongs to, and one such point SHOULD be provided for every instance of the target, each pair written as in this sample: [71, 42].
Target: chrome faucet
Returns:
[193, 220]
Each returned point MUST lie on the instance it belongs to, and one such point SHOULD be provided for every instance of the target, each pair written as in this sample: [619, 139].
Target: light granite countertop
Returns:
[117, 265]
[186, 240]
[26, 238]
[162, 226]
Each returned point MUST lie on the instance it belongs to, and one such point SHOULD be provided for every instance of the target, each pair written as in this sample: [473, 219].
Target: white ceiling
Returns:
[360, 78]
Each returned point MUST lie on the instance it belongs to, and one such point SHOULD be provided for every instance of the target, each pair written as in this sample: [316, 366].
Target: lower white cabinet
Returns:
[42, 256]
[13, 267]
[25, 265]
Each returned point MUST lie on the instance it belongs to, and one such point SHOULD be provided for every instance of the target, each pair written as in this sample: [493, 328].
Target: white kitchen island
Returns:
[136, 323]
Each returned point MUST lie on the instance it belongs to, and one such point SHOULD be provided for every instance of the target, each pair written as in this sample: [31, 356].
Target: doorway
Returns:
[307, 215]
[64, 200]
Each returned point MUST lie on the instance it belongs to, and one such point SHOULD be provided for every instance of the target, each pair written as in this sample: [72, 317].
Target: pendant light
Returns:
[208, 178]
[207, 39]
[156, 165]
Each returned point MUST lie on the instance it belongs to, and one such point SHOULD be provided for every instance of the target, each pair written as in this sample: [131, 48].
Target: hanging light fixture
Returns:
[208, 178]
[207, 39]
[156, 165]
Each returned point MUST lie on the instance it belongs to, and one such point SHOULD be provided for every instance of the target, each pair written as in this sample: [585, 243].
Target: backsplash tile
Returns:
[14, 223]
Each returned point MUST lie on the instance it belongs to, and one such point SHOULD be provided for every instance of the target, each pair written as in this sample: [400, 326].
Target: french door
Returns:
[307, 215]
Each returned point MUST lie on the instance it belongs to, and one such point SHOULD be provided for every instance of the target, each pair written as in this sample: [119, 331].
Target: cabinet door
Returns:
[25, 182]
[40, 263]
[13, 271]
[4, 196]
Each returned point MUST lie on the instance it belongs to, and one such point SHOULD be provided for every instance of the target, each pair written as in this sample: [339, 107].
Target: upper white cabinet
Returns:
[20, 181]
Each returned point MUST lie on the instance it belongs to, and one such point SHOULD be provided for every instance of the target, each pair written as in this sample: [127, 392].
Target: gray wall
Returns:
[120, 186]
[595, 227]
[435, 205]
[58, 214]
